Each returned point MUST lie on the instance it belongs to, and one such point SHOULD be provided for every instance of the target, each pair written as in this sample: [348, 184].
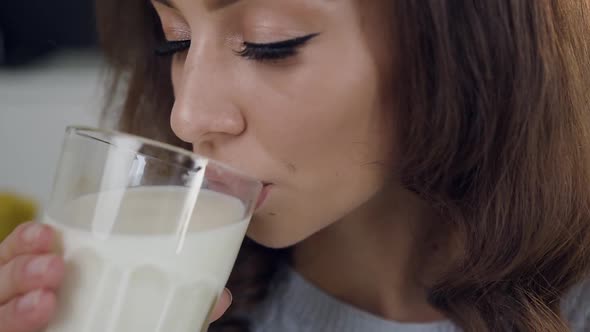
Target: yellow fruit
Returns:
[14, 210]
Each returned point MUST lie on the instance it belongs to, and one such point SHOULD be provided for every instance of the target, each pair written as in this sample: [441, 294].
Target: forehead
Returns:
[216, 4]
[373, 15]
[211, 4]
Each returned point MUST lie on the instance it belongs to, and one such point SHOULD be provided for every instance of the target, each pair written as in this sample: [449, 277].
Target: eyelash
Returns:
[251, 51]
[168, 48]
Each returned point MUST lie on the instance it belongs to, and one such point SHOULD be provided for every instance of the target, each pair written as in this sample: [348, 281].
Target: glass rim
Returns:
[77, 129]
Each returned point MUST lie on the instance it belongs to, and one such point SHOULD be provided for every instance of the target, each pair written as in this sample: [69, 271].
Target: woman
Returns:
[426, 161]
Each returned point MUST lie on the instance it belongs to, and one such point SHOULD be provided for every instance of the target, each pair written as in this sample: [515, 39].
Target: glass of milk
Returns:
[149, 232]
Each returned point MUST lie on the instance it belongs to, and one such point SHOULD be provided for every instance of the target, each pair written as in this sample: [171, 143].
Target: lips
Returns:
[223, 181]
[216, 174]
[263, 195]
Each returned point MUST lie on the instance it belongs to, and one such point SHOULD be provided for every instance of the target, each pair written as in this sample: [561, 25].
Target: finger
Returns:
[26, 273]
[28, 238]
[28, 313]
[222, 305]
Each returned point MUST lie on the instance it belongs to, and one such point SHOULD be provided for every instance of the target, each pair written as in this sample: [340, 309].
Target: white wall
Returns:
[36, 104]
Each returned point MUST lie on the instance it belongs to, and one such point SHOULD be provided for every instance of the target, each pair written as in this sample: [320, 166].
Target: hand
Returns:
[30, 274]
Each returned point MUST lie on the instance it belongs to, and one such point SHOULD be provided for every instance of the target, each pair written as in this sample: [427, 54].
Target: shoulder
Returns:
[576, 307]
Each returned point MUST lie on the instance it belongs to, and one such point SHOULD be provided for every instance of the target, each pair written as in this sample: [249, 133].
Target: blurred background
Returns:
[51, 75]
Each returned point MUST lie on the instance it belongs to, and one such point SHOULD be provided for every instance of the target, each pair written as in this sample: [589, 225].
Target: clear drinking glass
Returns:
[149, 232]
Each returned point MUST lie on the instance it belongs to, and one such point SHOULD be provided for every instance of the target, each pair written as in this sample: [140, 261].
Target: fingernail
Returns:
[38, 266]
[32, 233]
[29, 301]
[231, 297]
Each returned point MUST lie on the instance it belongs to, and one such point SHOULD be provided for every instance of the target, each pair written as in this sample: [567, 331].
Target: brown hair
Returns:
[495, 96]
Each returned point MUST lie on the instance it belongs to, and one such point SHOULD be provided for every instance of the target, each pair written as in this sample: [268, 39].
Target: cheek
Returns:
[332, 126]
[323, 119]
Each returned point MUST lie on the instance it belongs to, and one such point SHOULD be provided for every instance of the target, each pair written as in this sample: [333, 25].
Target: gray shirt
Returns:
[295, 305]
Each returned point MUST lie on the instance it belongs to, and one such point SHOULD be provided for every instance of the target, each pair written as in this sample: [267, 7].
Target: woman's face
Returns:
[294, 92]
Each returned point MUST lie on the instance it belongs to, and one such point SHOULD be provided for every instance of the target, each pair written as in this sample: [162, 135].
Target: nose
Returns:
[205, 110]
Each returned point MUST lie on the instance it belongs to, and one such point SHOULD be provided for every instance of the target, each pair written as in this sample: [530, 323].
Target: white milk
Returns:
[146, 276]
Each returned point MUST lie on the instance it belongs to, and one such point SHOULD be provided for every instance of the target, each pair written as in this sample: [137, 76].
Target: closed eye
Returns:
[168, 48]
[273, 51]
[252, 51]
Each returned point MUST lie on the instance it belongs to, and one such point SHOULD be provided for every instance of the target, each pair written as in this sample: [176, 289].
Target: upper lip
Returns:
[220, 176]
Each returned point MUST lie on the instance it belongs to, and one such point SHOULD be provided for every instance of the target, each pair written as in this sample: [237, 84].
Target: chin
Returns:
[270, 232]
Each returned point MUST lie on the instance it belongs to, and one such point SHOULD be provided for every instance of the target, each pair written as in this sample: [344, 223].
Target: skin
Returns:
[252, 115]
[319, 127]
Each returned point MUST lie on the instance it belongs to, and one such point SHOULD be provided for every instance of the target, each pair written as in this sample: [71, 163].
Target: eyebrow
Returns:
[165, 3]
[211, 4]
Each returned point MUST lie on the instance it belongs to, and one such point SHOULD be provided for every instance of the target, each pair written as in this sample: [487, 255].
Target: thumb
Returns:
[222, 305]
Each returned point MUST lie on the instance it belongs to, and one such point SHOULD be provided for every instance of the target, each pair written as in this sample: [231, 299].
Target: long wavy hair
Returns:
[496, 96]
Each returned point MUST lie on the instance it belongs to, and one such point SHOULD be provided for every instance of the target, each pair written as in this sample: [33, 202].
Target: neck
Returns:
[371, 258]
